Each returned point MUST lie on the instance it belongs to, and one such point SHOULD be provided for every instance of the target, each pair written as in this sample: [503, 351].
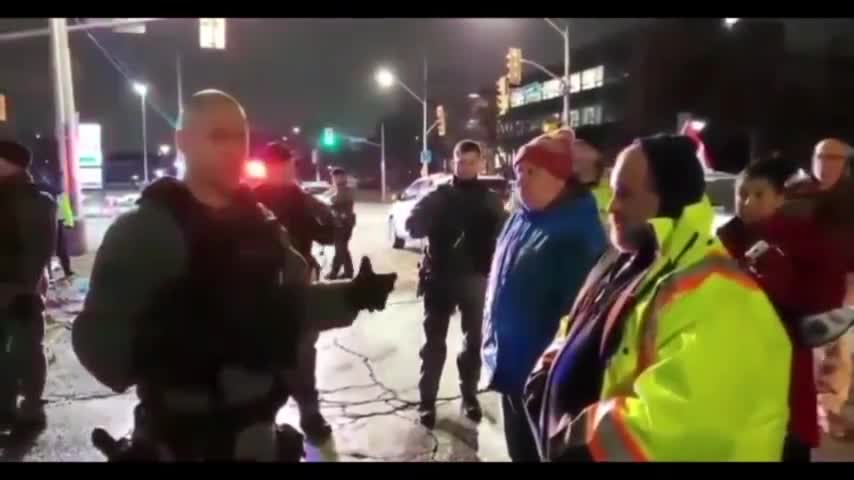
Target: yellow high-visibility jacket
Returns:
[64, 211]
[702, 369]
[602, 193]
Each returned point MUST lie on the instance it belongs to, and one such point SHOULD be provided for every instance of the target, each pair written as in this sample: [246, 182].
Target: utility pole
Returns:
[382, 161]
[66, 129]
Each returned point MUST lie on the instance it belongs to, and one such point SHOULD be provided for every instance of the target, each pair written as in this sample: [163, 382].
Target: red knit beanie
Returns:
[551, 151]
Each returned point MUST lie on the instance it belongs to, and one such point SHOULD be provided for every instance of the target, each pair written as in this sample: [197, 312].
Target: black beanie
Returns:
[276, 152]
[593, 136]
[726, 151]
[675, 170]
[15, 153]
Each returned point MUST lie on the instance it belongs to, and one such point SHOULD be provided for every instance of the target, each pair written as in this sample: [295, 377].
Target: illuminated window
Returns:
[574, 83]
[591, 115]
[592, 77]
[517, 97]
[551, 89]
[573, 118]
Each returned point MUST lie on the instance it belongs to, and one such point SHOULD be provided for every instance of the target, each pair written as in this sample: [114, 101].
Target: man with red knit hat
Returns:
[545, 251]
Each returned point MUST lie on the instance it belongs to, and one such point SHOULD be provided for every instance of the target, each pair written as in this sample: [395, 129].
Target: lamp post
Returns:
[141, 89]
[564, 32]
[385, 78]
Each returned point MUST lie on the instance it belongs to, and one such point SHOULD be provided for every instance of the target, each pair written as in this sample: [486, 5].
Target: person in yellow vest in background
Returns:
[65, 217]
[591, 167]
[672, 351]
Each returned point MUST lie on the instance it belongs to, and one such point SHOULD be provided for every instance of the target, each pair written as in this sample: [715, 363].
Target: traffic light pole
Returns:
[564, 32]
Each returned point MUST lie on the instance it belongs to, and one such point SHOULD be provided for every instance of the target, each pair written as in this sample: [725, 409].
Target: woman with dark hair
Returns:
[797, 265]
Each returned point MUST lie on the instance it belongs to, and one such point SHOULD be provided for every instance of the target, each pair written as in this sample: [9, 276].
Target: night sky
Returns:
[308, 72]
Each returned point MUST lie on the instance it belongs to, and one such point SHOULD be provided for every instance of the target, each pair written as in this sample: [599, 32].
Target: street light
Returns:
[296, 130]
[165, 149]
[141, 89]
[385, 78]
[474, 96]
[730, 22]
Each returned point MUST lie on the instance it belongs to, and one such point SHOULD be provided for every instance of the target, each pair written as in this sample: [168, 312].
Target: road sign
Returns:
[426, 157]
[212, 33]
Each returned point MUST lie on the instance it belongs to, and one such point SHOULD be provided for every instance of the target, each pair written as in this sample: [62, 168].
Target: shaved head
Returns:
[214, 137]
[829, 161]
[204, 100]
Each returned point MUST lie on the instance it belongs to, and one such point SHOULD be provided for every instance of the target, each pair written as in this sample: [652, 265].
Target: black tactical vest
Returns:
[231, 307]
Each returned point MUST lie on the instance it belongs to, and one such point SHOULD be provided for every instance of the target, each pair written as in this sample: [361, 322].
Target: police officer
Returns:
[461, 221]
[198, 299]
[27, 233]
[342, 206]
[307, 220]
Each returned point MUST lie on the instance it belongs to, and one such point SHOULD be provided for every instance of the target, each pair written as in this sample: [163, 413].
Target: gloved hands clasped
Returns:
[370, 290]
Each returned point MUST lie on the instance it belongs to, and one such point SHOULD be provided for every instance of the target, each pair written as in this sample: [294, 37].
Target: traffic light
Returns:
[503, 100]
[329, 140]
[441, 119]
[514, 66]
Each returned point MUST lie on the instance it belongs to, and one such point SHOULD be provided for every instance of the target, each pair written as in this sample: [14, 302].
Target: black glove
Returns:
[369, 290]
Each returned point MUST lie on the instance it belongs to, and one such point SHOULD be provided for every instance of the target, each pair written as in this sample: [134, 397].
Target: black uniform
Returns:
[27, 232]
[343, 208]
[202, 310]
[307, 221]
[461, 221]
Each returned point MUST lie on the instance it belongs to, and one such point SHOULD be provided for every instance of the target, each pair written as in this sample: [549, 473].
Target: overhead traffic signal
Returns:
[503, 99]
[514, 66]
[441, 120]
[329, 140]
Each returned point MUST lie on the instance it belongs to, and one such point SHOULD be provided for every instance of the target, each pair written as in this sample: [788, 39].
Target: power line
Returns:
[122, 68]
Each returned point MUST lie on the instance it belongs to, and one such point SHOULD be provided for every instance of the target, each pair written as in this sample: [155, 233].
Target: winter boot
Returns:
[427, 416]
[470, 409]
[315, 428]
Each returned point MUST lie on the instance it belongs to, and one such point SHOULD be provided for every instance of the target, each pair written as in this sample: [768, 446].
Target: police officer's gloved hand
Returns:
[370, 290]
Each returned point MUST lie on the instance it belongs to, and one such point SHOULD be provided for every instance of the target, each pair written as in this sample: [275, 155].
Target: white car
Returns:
[402, 206]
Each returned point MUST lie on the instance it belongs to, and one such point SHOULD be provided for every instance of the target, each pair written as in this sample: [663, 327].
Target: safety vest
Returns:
[602, 193]
[64, 211]
[702, 369]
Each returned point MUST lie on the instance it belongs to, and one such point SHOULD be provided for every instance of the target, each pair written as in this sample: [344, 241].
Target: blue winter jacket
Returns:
[540, 262]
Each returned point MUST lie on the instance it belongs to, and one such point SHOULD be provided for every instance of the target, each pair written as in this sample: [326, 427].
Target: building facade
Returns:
[648, 80]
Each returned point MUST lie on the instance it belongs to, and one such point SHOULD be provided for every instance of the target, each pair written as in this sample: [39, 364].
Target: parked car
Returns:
[403, 202]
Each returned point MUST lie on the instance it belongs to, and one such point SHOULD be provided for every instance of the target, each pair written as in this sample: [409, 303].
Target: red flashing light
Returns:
[256, 169]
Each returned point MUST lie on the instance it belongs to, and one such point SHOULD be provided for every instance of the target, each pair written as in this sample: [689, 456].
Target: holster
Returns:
[424, 278]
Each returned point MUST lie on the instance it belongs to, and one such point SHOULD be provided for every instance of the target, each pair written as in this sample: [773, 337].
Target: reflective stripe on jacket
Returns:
[702, 369]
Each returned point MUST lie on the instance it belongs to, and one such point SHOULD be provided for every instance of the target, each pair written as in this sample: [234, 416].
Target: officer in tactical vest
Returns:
[199, 300]
[461, 221]
[27, 233]
[342, 202]
[307, 220]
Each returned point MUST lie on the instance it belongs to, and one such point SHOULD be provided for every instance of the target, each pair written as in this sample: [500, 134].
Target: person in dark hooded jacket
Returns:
[27, 233]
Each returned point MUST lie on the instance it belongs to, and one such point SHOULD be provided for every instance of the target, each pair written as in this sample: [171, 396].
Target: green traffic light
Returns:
[329, 139]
